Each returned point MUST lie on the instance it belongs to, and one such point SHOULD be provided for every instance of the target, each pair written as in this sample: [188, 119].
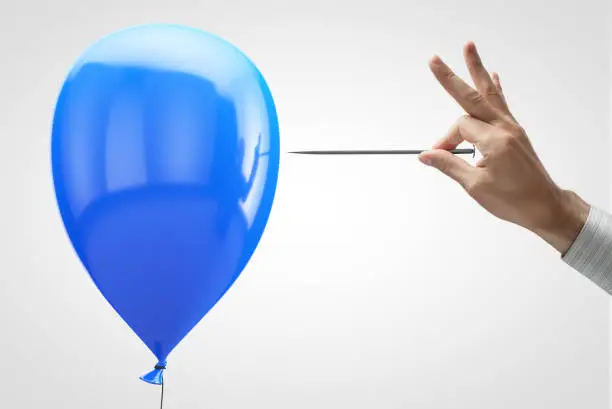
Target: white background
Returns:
[378, 283]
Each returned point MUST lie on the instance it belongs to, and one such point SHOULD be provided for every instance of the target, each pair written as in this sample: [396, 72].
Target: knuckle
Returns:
[520, 131]
[518, 136]
[490, 89]
[475, 97]
[511, 125]
[507, 140]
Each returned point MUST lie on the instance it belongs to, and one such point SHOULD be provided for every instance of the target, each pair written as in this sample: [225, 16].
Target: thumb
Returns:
[449, 164]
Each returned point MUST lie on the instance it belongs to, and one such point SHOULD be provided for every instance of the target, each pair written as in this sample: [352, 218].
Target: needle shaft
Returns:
[380, 152]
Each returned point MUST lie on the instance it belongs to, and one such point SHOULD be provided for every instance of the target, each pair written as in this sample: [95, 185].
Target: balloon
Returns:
[165, 155]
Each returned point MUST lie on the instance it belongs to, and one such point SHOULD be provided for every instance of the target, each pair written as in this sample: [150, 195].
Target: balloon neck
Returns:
[156, 376]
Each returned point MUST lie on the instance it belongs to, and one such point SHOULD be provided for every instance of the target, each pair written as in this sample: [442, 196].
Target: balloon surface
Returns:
[165, 155]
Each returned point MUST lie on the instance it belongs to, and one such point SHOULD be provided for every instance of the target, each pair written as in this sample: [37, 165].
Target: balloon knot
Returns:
[156, 376]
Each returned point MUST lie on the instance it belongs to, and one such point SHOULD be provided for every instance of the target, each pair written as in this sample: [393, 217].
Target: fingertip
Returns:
[435, 60]
[452, 166]
[433, 155]
[425, 158]
[446, 143]
[440, 144]
[470, 47]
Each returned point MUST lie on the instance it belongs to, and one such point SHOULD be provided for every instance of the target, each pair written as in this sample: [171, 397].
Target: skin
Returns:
[509, 181]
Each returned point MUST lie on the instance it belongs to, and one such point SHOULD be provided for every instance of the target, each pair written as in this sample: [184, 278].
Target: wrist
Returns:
[568, 215]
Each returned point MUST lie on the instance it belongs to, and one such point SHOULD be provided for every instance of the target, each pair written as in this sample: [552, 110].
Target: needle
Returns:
[381, 152]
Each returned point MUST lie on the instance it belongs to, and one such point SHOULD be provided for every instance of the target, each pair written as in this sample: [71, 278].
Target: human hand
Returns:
[509, 181]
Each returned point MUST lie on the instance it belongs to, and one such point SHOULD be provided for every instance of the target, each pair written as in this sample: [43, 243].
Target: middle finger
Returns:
[482, 79]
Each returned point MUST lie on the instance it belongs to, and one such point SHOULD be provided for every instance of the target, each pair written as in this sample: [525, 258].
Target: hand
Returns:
[509, 181]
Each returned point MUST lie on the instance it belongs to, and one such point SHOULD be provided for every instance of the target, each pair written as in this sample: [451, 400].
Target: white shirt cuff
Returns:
[591, 252]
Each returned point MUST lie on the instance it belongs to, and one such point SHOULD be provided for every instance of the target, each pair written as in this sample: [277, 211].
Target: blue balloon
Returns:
[165, 155]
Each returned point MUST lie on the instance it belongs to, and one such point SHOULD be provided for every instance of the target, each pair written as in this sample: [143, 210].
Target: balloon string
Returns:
[161, 405]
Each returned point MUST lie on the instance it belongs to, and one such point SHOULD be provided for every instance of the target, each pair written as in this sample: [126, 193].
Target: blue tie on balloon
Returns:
[165, 153]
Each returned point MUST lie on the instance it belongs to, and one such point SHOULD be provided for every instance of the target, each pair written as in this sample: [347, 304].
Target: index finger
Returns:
[470, 100]
[469, 129]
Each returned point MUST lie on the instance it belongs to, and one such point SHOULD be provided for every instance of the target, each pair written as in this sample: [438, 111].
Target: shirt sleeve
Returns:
[591, 252]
